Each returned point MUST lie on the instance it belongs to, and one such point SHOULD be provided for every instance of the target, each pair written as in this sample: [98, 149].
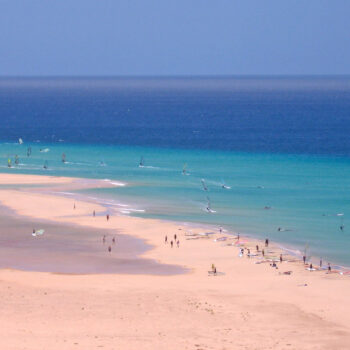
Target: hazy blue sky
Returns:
[174, 37]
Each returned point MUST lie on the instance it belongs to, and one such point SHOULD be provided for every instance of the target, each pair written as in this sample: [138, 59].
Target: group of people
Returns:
[104, 241]
[273, 264]
[176, 240]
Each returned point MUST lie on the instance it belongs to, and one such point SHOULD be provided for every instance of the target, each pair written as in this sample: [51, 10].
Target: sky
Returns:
[174, 37]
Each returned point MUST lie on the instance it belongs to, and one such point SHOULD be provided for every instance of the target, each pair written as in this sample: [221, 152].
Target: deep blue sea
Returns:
[281, 147]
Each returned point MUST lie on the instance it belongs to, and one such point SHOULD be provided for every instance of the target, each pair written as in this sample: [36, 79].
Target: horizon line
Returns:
[173, 76]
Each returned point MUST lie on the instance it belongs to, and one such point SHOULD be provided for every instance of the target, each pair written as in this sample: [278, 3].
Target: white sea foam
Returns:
[118, 184]
[125, 211]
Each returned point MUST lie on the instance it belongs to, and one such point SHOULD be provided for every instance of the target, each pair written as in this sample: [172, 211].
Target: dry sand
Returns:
[246, 306]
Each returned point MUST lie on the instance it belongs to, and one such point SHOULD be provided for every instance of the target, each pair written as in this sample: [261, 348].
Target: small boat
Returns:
[44, 150]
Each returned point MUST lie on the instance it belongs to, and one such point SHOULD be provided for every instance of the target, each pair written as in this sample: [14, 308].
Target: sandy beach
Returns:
[167, 300]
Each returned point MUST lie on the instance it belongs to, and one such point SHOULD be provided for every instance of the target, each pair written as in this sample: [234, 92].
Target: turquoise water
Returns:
[305, 192]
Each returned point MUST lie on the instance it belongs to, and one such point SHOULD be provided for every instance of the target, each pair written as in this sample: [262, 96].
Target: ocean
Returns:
[270, 156]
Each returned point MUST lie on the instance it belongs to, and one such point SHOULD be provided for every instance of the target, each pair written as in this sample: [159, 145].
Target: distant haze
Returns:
[183, 37]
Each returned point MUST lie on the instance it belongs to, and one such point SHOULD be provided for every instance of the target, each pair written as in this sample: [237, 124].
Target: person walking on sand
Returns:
[109, 248]
[113, 240]
[248, 253]
[107, 217]
[166, 239]
[281, 258]
[304, 259]
[266, 242]
[329, 268]
[237, 237]
[175, 237]
[257, 248]
[321, 263]
[171, 243]
[263, 252]
[178, 243]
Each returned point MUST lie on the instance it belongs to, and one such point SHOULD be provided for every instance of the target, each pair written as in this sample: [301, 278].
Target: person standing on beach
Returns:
[94, 214]
[178, 243]
[329, 267]
[281, 258]
[257, 248]
[113, 240]
[175, 237]
[248, 253]
[320, 262]
[166, 239]
[171, 243]
[263, 252]
[74, 206]
[109, 248]
[104, 239]
[107, 217]
[304, 259]
[266, 242]
[237, 237]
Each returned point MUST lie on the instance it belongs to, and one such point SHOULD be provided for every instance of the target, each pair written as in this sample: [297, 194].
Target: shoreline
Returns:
[285, 248]
[74, 183]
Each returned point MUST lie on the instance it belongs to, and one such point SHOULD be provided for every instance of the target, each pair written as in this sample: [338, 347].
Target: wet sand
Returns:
[72, 249]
